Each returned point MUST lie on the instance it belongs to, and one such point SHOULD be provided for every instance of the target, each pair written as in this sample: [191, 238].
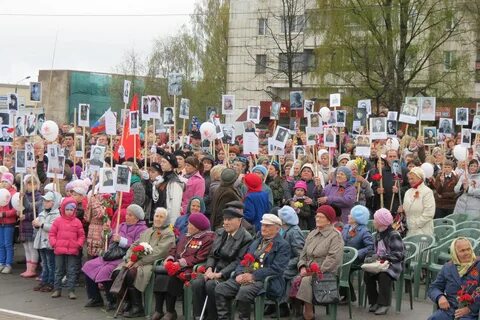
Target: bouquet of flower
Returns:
[141, 250]
[361, 165]
[314, 270]
[468, 294]
[249, 263]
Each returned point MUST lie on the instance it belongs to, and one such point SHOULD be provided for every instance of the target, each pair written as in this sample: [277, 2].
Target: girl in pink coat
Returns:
[66, 238]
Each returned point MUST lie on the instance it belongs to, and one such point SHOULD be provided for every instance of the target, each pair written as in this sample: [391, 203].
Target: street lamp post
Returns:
[16, 84]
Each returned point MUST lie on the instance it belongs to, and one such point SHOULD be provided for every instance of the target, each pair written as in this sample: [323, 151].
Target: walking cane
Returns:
[206, 301]
[120, 304]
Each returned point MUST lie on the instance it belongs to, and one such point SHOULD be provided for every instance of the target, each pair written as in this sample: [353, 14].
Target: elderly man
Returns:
[230, 244]
[271, 254]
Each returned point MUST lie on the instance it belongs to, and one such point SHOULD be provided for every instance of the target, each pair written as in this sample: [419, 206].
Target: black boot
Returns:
[244, 309]
[111, 301]
[223, 307]
[269, 310]
[94, 296]
[135, 298]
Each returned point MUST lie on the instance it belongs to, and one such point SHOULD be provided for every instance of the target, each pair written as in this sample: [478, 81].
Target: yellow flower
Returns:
[256, 266]
[298, 204]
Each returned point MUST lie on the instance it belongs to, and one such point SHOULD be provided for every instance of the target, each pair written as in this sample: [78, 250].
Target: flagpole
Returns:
[174, 120]
[145, 140]
[83, 148]
[75, 140]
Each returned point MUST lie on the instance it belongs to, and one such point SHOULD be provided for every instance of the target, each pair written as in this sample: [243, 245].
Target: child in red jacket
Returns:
[66, 238]
[8, 218]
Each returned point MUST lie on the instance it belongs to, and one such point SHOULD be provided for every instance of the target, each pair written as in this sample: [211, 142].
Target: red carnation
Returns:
[182, 276]
[193, 275]
[134, 258]
[314, 267]
[187, 284]
[138, 248]
[172, 268]
[244, 263]
[249, 258]
[376, 177]
[201, 269]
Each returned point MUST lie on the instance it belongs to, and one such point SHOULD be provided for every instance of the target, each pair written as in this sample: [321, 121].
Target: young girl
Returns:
[298, 203]
[31, 185]
[66, 238]
[8, 218]
[43, 224]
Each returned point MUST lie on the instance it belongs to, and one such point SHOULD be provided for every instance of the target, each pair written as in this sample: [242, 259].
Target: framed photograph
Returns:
[253, 114]
[300, 152]
[477, 110]
[466, 137]
[341, 117]
[29, 155]
[154, 105]
[296, 100]
[378, 128]
[36, 91]
[168, 117]
[228, 104]
[476, 124]
[122, 177]
[392, 115]
[361, 116]
[144, 108]
[7, 137]
[111, 123]
[106, 180]
[409, 113]
[293, 125]
[335, 100]
[211, 114]
[20, 164]
[365, 104]
[218, 128]
[280, 137]
[30, 124]
[311, 136]
[184, 109]
[134, 123]
[250, 143]
[430, 136]
[392, 127]
[461, 116]
[4, 118]
[83, 115]
[56, 168]
[275, 111]
[427, 108]
[357, 128]
[126, 90]
[19, 125]
[13, 102]
[228, 133]
[97, 158]
[175, 84]
[333, 119]
[79, 152]
[363, 146]
[314, 122]
[397, 170]
[329, 137]
[249, 126]
[40, 121]
[445, 126]
[308, 108]
[273, 150]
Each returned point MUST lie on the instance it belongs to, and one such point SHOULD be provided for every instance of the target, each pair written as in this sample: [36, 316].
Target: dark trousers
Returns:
[48, 265]
[442, 213]
[93, 292]
[382, 297]
[66, 265]
[244, 295]
[201, 290]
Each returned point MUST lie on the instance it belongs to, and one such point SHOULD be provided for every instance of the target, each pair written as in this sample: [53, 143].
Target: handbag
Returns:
[114, 252]
[325, 289]
[376, 266]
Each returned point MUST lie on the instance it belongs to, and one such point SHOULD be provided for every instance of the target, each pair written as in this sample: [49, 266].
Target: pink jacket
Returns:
[8, 215]
[195, 186]
[66, 235]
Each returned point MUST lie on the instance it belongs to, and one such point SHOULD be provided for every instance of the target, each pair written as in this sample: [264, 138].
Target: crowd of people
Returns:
[244, 218]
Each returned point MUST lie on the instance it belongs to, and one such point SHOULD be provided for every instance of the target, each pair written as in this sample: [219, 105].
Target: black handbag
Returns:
[114, 252]
[325, 290]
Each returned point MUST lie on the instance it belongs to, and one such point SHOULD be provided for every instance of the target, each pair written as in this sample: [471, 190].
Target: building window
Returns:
[301, 61]
[262, 26]
[448, 60]
[297, 23]
[261, 63]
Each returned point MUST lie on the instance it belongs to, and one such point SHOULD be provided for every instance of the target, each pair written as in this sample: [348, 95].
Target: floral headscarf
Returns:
[462, 268]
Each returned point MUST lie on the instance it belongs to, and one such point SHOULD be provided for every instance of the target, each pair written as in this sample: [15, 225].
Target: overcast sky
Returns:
[28, 29]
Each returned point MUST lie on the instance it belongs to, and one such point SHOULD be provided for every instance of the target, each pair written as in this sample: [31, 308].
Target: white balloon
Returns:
[427, 169]
[207, 130]
[49, 130]
[16, 201]
[4, 197]
[460, 152]
[325, 114]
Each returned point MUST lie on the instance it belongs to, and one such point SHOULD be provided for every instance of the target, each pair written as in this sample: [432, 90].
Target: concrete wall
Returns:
[55, 96]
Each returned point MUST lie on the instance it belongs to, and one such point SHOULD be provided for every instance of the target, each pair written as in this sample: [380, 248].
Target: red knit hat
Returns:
[253, 182]
[328, 212]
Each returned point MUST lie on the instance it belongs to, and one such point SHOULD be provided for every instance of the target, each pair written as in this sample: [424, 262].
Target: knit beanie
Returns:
[253, 182]
[288, 215]
[360, 214]
[345, 171]
[300, 184]
[228, 176]
[383, 217]
[260, 168]
[7, 177]
[137, 211]
[199, 221]
[328, 212]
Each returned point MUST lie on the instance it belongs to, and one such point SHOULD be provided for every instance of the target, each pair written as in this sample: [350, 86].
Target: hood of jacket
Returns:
[202, 204]
[64, 204]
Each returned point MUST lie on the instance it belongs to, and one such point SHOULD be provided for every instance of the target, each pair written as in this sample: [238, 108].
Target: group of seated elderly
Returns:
[236, 264]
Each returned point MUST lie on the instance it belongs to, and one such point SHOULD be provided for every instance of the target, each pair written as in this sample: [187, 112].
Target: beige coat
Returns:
[419, 209]
[324, 247]
[160, 244]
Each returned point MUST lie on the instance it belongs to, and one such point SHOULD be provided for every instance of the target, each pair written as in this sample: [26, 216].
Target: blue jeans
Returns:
[48, 266]
[6, 244]
[66, 265]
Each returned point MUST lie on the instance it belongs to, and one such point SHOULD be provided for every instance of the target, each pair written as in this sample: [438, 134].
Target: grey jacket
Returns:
[294, 236]
[46, 219]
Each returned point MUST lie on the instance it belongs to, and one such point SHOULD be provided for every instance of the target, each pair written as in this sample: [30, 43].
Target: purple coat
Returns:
[342, 196]
[99, 270]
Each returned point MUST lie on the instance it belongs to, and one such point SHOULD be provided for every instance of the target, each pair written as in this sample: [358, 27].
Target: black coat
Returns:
[226, 254]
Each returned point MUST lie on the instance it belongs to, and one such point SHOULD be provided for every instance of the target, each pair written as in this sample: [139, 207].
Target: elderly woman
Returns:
[340, 192]
[355, 234]
[469, 188]
[418, 204]
[324, 245]
[98, 271]
[191, 249]
[455, 276]
[160, 236]
[195, 185]
[388, 247]
[363, 189]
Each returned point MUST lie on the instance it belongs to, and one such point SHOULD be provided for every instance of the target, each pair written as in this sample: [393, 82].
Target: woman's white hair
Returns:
[161, 210]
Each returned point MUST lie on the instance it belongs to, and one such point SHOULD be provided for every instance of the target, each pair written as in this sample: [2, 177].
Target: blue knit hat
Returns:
[360, 214]
[260, 168]
[346, 171]
[288, 215]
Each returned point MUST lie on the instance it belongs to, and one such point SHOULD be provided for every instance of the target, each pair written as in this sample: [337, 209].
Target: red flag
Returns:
[128, 139]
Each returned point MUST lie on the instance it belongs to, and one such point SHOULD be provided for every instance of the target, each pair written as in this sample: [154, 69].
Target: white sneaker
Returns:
[7, 270]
